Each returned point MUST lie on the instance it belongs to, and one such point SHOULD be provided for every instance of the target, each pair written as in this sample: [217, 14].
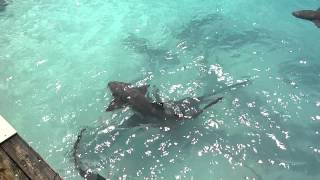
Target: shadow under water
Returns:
[3, 4]
[156, 57]
[217, 31]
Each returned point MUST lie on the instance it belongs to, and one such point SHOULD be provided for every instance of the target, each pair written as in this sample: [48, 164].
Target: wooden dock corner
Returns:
[18, 161]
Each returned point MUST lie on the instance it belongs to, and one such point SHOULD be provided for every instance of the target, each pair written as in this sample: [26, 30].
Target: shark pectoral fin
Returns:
[144, 89]
[115, 104]
[317, 23]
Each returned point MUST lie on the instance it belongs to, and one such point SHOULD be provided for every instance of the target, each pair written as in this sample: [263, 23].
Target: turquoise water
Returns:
[56, 58]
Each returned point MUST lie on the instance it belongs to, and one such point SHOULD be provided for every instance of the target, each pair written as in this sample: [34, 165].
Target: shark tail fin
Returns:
[234, 86]
[215, 101]
[84, 172]
[225, 89]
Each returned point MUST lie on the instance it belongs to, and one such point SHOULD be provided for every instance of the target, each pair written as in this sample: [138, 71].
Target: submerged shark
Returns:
[156, 112]
[310, 15]
[154, 55]
[84, 171]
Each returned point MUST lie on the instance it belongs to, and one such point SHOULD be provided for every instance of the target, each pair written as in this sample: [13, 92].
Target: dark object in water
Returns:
[186, 108]
[216, 31]
[3, 4]
[154, 55]
[83, 171]
[126, 95]
[311, 15]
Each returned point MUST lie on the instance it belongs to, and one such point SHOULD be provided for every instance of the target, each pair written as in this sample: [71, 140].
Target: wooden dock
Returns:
[18, 161]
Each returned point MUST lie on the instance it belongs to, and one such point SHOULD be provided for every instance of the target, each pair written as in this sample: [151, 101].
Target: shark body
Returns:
[135, 97]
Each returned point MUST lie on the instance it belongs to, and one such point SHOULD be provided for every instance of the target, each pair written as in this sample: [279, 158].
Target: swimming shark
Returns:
[125, 94]
[310, 15]
[84, 171]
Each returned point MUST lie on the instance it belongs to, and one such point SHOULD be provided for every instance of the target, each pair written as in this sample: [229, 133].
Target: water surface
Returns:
[56, 58]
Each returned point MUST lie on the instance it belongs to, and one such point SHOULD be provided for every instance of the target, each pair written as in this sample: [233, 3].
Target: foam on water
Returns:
[56, 58]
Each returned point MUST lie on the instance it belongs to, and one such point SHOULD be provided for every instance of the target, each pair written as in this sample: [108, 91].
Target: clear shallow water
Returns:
[56, 58]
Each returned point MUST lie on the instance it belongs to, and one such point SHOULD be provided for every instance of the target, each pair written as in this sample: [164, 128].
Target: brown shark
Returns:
[135, 97]
[310, 15]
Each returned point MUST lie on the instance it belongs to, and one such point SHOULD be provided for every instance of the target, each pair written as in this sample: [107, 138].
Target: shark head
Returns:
[310, 15]
[298, 14]
[124, 94]
[118, 88]
[305, 14]
[118, 91]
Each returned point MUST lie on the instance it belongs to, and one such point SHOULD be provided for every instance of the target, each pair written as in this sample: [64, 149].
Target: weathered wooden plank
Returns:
[9, 169]
[28, 160]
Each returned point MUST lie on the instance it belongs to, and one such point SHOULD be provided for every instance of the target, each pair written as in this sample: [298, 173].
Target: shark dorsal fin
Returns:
[143, 89]
[116, 103]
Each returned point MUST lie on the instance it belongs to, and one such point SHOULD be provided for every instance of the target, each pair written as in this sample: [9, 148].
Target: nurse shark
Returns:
[158, 112]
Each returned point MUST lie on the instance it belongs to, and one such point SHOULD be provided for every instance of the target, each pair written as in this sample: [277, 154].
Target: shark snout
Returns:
[117, 87]
[114, 88]
[297, 14]
[111, 84]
